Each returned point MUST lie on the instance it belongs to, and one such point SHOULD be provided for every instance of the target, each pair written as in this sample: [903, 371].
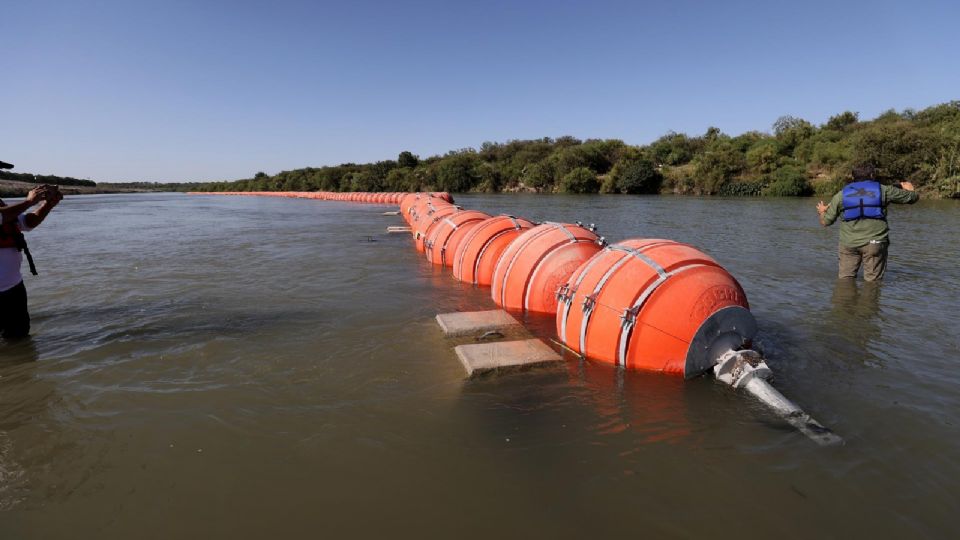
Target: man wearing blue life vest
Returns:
[861, 207]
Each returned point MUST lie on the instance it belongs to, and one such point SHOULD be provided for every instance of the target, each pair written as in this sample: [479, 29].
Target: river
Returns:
[240, 367]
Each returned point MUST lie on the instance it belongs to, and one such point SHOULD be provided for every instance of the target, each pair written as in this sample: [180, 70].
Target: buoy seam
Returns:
[536, 270]
[476, 264]
[573, 292]
[513, 259]
[466, 242]
[596, 290]
[641, 300]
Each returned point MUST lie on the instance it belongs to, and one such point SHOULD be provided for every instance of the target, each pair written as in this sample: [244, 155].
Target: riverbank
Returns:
[13, 188]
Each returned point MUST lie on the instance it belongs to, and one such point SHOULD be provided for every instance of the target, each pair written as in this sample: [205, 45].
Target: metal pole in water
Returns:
[747, 370]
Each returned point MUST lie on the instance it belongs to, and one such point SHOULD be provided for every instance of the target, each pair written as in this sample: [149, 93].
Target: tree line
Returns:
[45, 179]
[796, 158]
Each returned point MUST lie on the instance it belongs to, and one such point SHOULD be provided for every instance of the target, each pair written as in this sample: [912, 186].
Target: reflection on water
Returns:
[854, 309]
[248, 368]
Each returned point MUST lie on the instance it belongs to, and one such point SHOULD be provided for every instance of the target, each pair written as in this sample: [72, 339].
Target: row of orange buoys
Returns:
[390, 198]
[641, 303]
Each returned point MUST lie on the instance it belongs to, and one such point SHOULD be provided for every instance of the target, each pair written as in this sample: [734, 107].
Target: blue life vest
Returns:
[863, 200]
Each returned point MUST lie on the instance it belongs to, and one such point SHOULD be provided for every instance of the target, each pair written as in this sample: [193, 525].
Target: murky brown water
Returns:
[232, 367]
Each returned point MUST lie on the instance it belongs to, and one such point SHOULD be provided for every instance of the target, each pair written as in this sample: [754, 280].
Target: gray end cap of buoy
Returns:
[728, 329]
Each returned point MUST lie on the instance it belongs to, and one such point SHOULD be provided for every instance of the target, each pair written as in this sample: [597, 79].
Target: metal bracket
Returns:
[564, 293]
[629, 317]
[589, 302]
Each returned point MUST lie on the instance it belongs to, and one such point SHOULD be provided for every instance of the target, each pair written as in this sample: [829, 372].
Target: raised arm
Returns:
[36, 217]
[35, 195]
[905, 194]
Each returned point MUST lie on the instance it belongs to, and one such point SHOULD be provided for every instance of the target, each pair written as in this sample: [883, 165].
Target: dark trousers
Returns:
[14, 318]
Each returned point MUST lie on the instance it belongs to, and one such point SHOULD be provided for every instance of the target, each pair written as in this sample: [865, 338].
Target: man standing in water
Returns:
[14, 317]
[862, 208]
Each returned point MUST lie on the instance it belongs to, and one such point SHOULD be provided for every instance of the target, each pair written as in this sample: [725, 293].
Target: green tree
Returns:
[455, 172]
[638, 175]
[716, 167]
[762, 157]
[789, 181]
[488, 177]
[899, 150]
[790, 132]
[842, 121]
[407, 159]
[538, 176]
[580, 180]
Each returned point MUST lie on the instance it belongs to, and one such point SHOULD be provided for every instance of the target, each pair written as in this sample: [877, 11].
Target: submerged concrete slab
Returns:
[502, 355]
[470, 323]
[397, 229]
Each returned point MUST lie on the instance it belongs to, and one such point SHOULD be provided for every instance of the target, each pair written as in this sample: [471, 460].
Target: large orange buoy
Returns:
[534, 265]
[407, 203]
[653, 304]
[428, 219]
[478, 253]
[425, 205]
[442, 241]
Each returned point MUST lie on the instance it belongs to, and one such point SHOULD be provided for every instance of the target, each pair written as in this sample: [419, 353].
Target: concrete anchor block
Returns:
[397, 229]
[475, 323]
[504, 355]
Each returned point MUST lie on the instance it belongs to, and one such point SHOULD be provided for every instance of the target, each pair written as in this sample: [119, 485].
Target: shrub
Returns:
[580, 180]
[742, 189]
[788, 181]
[637, 175]
[829, 187]
[899, 150]
[538, 175]
[455, 172]
[950, 187]
[717, 166]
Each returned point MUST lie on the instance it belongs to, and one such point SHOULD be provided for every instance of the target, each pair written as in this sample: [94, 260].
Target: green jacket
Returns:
[860, 232]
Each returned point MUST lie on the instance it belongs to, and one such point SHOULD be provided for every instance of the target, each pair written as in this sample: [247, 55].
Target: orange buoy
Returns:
[406, 203]
[537, 262]
[424, 205]
[478, 253]
[442, 242]
[442, 195]
[656, 305]
[432, 214]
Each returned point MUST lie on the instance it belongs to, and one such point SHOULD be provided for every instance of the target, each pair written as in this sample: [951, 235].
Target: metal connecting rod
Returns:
[747, 370]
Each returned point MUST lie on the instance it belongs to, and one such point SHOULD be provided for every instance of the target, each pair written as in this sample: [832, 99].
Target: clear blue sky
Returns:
[191, 90]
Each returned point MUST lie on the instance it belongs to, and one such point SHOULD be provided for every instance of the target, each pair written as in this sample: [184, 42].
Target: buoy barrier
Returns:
[446, 235]
[537, 262]
[653, 304]
[391, 198]
[639, 304]
[478, 253]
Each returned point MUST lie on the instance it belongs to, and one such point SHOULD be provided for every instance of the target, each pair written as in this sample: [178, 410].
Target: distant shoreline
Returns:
[13, 188]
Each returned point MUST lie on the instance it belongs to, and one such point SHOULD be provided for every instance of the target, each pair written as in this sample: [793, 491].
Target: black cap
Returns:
[4, 165]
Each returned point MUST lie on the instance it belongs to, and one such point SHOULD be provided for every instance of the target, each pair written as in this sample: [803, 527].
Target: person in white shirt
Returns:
[14, 317]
